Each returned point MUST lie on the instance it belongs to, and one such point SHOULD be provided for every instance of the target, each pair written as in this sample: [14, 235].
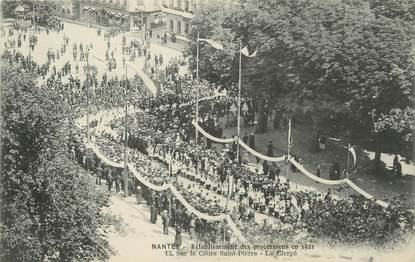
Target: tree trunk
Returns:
[261, 126]
[378, 152]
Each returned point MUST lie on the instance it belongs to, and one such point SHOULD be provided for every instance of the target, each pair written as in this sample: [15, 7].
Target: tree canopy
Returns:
[316, 58]
[50, 206]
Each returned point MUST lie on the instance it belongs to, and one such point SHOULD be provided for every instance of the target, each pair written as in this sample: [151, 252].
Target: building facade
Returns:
[66, 8]
[108, 13]
[179, 13]
[145, 14]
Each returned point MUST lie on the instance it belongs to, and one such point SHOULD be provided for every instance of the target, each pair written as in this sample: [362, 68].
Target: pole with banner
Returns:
[214, 45]
[239, 103]
[197, 85]
[242, 51]
[289, 146]
[350, 150]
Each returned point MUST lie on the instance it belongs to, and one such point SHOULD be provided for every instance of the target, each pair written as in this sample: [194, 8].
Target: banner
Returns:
[257, 154]
[212, 43]
[206, 134]
[144, 181]
[364, 193]
[314, 177]
[202, 99]
[105, 159]
[245, 52]
[236, 230]
[353, 152]
[336, 182]
[192, 209]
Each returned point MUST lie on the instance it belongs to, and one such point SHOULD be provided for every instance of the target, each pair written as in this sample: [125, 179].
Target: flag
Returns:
[212, 43]
[353, 152]
[290, 141]
[245, 52]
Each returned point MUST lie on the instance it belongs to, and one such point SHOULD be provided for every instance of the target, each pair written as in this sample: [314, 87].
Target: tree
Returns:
[50, 207]
[320, 58]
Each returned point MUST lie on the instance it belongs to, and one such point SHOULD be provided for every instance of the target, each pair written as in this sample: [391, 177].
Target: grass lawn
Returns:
[379, 186]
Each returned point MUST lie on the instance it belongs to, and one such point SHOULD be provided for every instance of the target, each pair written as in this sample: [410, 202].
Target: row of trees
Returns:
[319, 58]
[51, 209]
[41, 11]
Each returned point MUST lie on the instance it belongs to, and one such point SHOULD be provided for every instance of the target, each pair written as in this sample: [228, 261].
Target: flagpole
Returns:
[88, 134]
[197, 85]
[239, 102]
[347, 163]
[288, 146]
[125, 131]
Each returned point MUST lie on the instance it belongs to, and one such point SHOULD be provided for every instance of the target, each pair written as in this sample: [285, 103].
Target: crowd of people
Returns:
[54, 24]
[163, 130]
[164, 204]
[260, 191]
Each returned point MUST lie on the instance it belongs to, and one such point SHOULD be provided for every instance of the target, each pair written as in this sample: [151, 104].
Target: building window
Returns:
[171, 4]
[186, 28]
[179, 27]
[179, 4]
[186, 6]
[171, 26]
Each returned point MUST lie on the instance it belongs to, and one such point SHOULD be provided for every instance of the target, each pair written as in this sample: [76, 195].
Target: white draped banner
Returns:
[336, 182]
[257, 154]
[105, 159]
[193, 210]
[314, 177]
[144, 181]
[206, 134]
[202, 99]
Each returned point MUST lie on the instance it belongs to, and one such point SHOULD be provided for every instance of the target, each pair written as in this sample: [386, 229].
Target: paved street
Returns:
[342, 227]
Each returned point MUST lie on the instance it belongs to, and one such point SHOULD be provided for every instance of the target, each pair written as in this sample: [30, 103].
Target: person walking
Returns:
[165, 218]
[178, 237]
[138, 195]
[109, 179]
[98, 174]
[117, 183]
[270, 149]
